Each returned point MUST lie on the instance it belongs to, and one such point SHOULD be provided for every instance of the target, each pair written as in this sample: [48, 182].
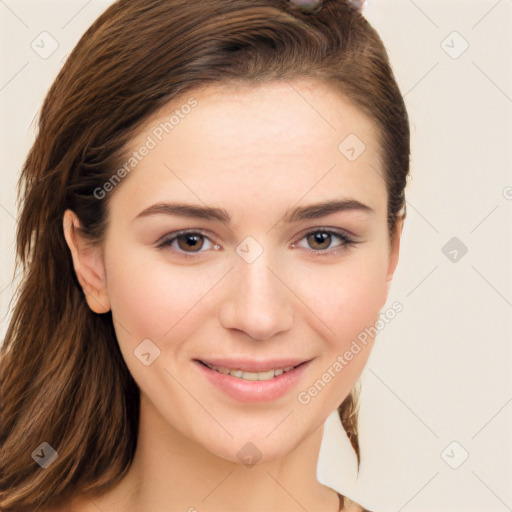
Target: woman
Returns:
[211, 217]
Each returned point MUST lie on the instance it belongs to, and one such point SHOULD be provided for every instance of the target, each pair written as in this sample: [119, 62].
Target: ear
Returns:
[88, 264]
[394, 251]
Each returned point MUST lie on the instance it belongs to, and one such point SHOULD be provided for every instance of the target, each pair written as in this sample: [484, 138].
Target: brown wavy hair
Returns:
[63, 379]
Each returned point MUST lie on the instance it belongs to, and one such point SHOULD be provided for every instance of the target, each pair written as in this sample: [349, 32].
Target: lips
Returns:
[251, 375]
[247, 365]
[253, 381]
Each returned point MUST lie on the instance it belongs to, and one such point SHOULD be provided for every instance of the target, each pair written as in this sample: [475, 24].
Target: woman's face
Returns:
[266, 279]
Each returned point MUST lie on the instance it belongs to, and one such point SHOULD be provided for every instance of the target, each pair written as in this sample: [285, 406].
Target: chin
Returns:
[262, 443]
[250, 452]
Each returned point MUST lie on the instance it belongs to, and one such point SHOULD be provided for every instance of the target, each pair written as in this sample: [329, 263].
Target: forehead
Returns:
[280, 141]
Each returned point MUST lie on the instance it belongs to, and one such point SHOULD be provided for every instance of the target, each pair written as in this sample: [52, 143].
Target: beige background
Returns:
[438, 384]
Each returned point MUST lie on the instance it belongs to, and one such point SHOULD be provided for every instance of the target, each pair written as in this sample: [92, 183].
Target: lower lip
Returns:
[250, 391]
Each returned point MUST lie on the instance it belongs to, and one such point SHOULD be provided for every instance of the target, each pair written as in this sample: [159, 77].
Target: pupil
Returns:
[320, 238]
[190, 242]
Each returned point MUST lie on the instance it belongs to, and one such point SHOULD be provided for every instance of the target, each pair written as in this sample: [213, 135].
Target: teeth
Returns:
[265, 375]
[269, 374]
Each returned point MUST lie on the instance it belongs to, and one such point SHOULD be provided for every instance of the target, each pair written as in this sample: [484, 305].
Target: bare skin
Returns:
[256, 153]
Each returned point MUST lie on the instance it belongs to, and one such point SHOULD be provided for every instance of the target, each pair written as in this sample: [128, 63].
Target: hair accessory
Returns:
[313, 6]
[358, 4]
[309, 6]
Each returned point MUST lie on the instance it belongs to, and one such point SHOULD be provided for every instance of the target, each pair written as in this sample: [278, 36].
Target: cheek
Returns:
[346, 297]
[346, 300]
[149, 299]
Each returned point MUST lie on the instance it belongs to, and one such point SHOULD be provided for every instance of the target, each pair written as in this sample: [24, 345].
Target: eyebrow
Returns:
[312, 211]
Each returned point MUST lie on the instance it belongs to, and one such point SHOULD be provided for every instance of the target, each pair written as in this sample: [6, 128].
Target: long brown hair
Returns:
[63, 379]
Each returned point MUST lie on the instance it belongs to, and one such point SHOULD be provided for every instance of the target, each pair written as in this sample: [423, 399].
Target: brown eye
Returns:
[326, 242]
[191, 241]
[187, 243]
[319, 240]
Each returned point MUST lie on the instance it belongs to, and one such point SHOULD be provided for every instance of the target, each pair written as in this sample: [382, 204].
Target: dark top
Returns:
[342, 505]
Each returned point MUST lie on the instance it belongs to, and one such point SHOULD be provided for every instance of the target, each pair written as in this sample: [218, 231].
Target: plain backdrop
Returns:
[436, 408]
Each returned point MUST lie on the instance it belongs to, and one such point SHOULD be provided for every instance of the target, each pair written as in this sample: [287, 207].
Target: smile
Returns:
[266, 375]
[253, 381]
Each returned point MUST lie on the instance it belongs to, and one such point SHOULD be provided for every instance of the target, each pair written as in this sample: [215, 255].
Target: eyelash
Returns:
[346, 242]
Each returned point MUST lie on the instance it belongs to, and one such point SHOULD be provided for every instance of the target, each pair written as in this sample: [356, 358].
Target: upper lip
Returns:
[252, 365]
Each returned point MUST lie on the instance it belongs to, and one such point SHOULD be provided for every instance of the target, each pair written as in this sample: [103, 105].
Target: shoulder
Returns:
[351, 506]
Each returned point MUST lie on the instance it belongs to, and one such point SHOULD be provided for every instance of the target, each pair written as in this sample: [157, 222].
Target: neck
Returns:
[171, 472]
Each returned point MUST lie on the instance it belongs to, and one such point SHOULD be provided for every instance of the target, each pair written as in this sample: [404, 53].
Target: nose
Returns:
[257, 300]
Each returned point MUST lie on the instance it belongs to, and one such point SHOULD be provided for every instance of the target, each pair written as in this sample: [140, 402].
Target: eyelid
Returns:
[347, 240]
[166, 241]
[327, 229]
[175, 234]
[345, 236]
